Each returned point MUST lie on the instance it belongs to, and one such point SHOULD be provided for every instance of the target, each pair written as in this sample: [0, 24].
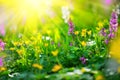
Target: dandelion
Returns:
[56, 68]
[37, 66]
[2, 30]
[55, 53]
[83, 43]
[1, 62]
[2, 45]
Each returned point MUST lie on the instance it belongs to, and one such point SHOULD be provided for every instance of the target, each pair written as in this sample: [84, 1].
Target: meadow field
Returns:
[59, 40]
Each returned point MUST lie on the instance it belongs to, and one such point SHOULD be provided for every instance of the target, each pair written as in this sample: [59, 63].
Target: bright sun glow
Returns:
[30, 12]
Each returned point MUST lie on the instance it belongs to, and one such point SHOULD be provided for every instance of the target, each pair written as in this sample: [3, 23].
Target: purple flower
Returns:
[103, 33]
[111, 35]
[2, 45]
[71, 27]
[71, 44]
[106, 41]
[2, 30]
[83, 60]
[1, 62]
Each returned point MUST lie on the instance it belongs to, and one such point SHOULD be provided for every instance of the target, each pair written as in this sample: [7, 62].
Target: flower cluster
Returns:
[113, 27]
[71, 27]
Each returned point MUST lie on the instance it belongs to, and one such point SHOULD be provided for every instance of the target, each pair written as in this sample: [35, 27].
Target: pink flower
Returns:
[1, 62]
[108, 2]
[2, 45]
[2, 30]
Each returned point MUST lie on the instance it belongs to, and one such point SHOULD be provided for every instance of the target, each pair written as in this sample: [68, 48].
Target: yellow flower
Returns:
[89, 32]
[100, 24]
[83, 33]
[15, 43]
[99, 77]
[97, 28]
[83, 43]
[56, 68]
[55, 53]
[84, 30]
[2, 68]
[20, 52]
[37, 66]
[46, 44]
[12, 49]
[76, 32]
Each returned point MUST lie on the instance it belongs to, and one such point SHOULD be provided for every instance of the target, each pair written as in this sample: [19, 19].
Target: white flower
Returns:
[91, 43]
[77, 71]
[65, 13]
[13, 74]
[48, 38]
[70, 73]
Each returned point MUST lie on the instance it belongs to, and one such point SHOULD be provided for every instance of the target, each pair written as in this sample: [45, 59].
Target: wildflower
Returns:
[78, 72]
[111, 35]
[100, 24]
[55, 53]
[89, 32]
[20, 52]
[46, 44]
[65, 14]
[37, 66]
[83, 43]
[85, 70]
[90, 43]
[83, 33]
[2, 30]
[2, 68]
[2, 45]
[102, 32]
[56, 68]
[83, 60]
[12, 49]
[97, 28]
[1, 62]
[106, 41]
[71, 44]
[99, 77]
[76, 32]
[71, 27]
